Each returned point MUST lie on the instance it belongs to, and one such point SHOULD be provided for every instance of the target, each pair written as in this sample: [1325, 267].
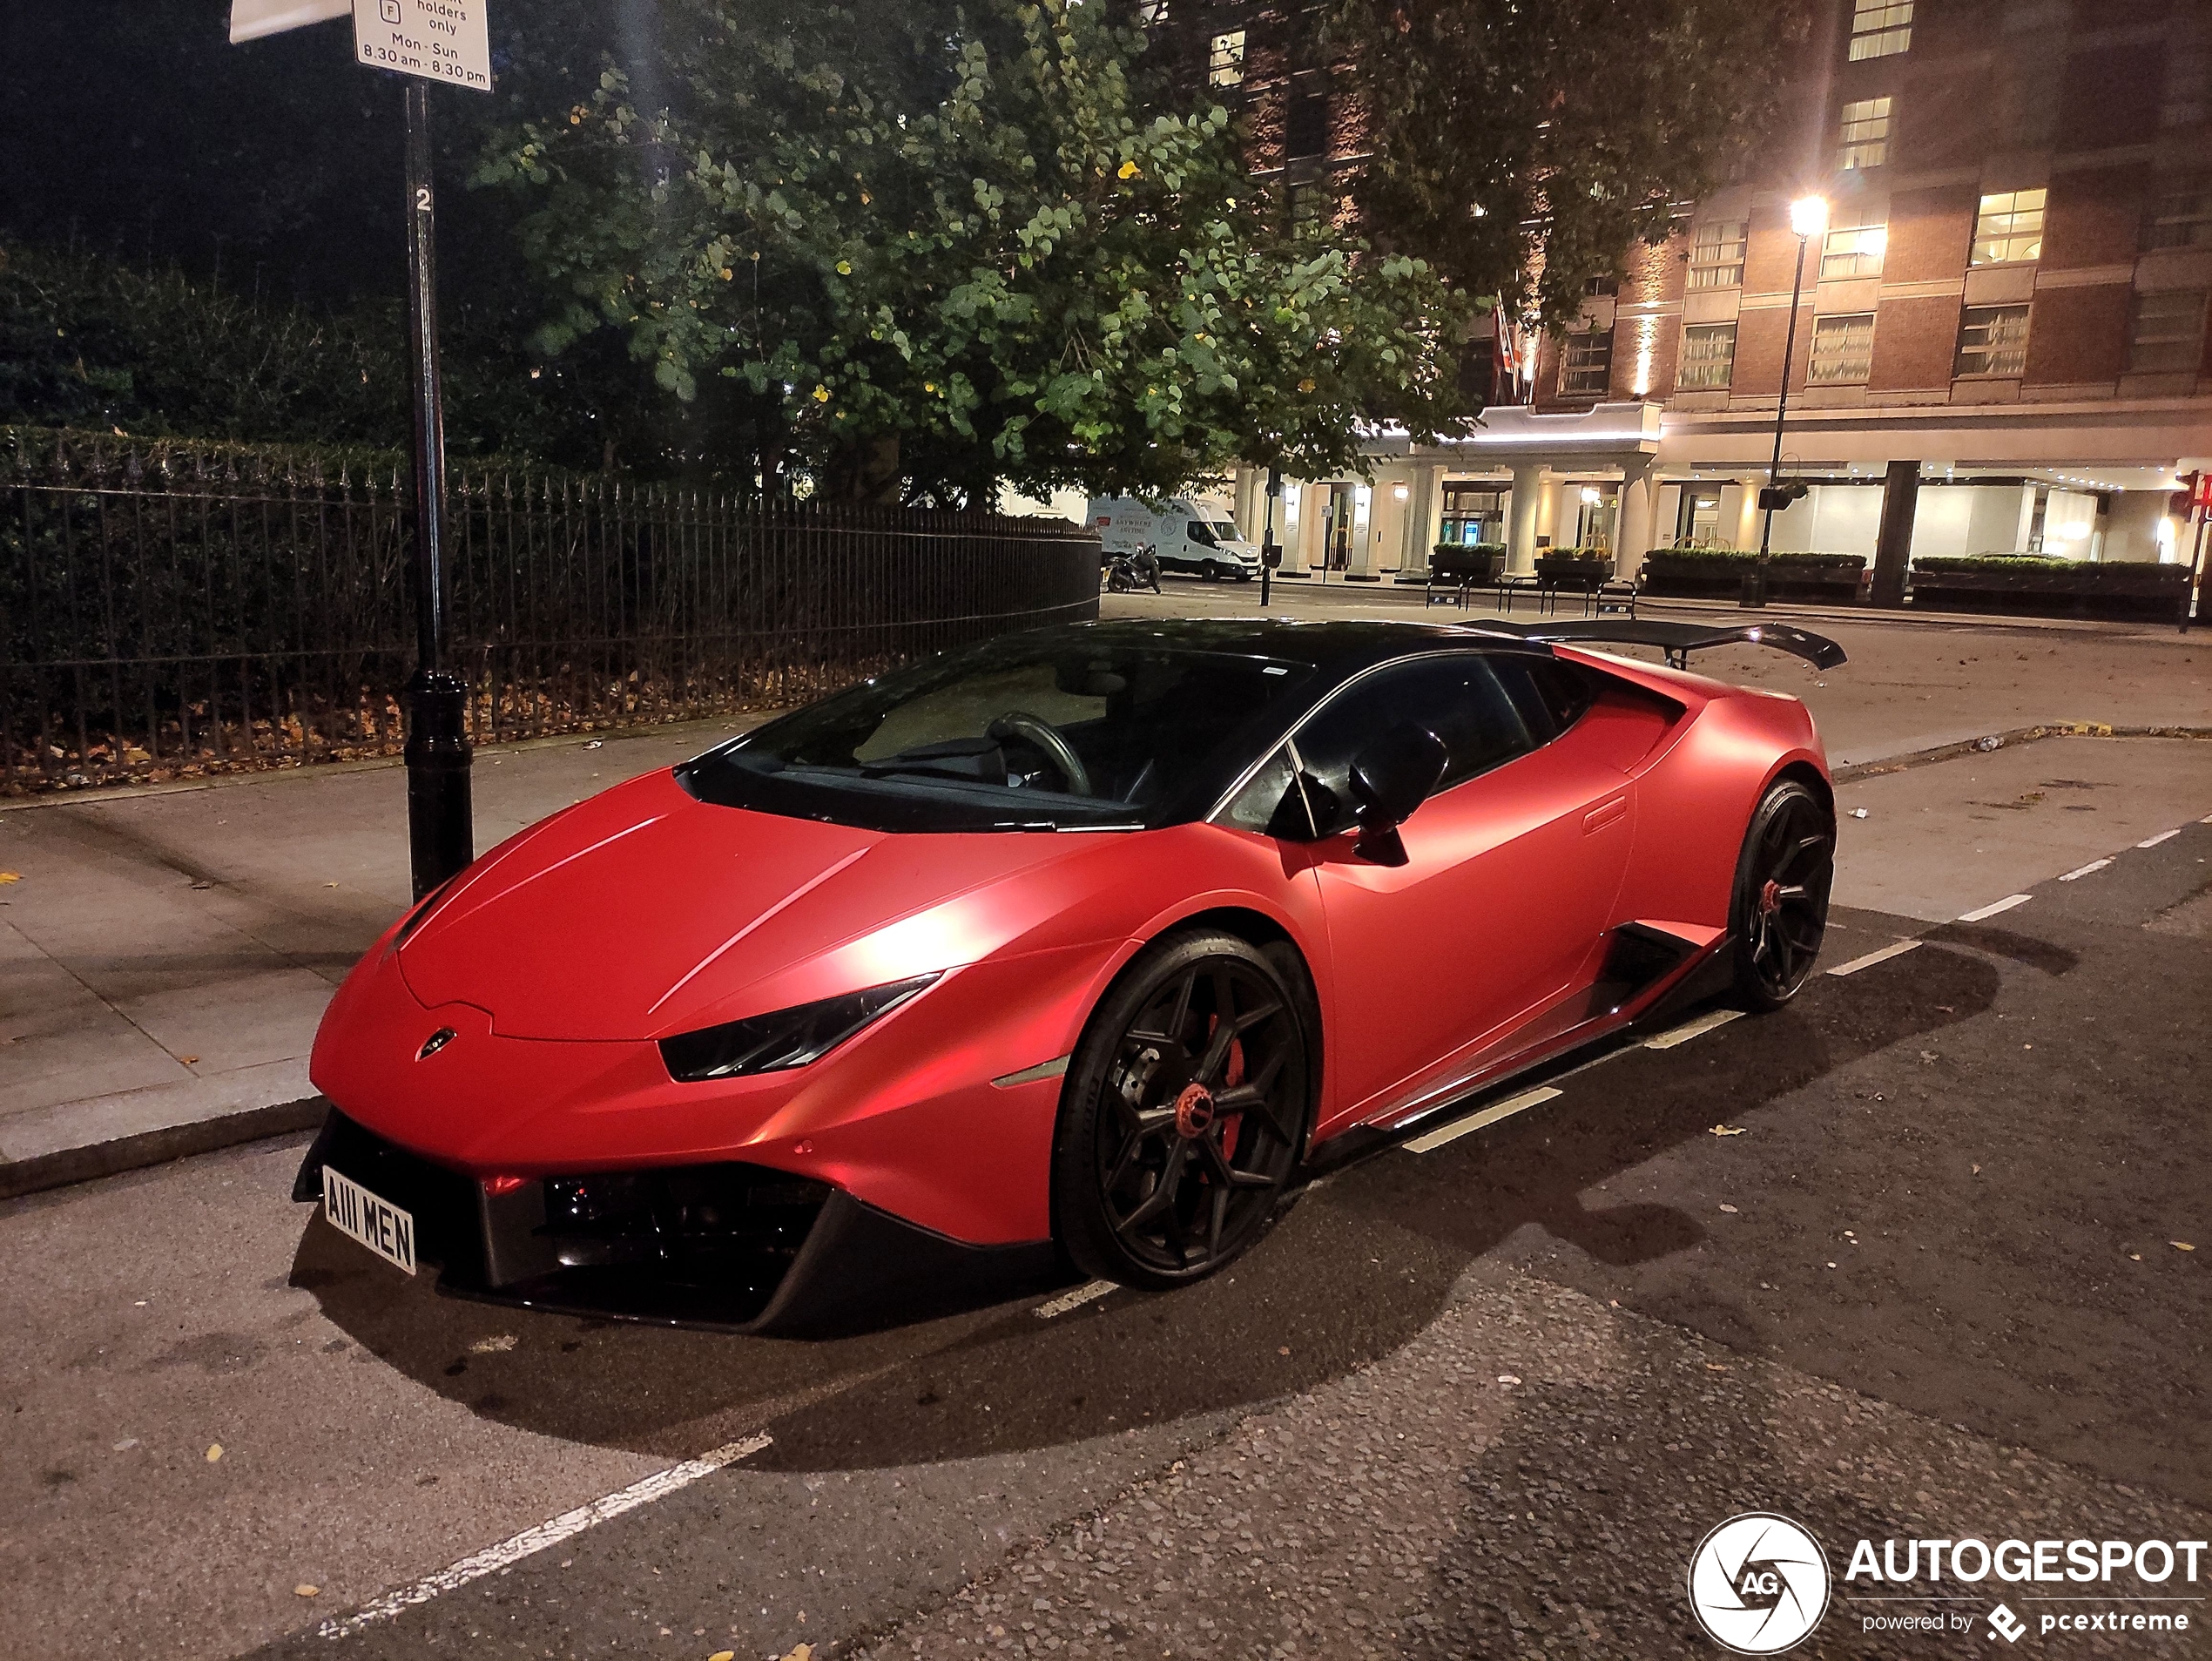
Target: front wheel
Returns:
[1184, 1114]
[1779, 913]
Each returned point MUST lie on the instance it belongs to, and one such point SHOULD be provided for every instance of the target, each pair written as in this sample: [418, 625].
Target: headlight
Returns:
[768, 1043]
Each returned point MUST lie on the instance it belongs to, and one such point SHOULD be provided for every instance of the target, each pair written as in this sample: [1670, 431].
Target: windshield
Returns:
[1015, 735]
[1226, 530]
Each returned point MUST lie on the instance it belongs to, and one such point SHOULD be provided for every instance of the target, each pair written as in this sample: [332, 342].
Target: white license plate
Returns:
[377, 1223]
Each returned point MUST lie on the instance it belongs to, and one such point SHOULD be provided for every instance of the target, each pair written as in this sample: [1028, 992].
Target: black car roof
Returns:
[1338, 647]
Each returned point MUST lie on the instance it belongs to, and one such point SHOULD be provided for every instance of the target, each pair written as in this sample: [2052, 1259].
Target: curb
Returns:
[72, 1165]
[1850, 773]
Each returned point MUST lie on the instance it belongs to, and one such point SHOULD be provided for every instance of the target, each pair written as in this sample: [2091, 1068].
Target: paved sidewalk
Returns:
[166, 952]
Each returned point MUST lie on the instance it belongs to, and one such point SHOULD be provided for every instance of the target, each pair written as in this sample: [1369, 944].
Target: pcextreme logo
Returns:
[1758, 1583]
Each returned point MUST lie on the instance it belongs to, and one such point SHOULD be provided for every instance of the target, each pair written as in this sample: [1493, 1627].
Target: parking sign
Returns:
[439, 40]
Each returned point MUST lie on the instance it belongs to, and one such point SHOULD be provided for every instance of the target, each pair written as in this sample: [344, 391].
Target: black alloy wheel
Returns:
[1185, 1111]
[1780, 910]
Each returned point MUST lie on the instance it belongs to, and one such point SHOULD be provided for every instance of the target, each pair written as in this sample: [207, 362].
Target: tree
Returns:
[1524, 148]
[931, 246]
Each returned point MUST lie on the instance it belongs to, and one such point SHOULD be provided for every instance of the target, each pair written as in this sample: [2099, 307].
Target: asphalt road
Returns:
[1479, 1401]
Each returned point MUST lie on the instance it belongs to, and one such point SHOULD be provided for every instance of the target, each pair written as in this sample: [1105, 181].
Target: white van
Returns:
[1187, 536]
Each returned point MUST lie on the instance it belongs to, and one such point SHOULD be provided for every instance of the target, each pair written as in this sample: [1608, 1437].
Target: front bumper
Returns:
[726, 1246]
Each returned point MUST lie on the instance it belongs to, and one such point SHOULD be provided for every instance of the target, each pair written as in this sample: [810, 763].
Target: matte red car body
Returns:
[561, 958]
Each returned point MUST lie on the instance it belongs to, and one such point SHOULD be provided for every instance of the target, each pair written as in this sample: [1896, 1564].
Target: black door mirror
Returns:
[1393, 776]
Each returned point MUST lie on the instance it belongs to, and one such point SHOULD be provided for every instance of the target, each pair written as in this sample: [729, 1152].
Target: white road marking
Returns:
[1690, 1029]
[506, 1553]
[1074, 1299]
[1513, 1105]
[2080, 872]
[1994, 907]
[2162, 836]
[1872, 958]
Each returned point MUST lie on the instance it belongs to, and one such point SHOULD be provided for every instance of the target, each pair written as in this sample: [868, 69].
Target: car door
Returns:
[1508, 874]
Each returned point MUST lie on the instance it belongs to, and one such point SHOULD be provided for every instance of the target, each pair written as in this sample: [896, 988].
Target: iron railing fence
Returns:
[169, 611]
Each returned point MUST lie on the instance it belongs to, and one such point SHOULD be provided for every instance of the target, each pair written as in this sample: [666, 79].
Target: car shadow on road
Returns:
[1351, 1274]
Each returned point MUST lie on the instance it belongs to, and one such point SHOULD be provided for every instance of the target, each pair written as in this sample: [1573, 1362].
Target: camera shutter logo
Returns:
[1758, 1583]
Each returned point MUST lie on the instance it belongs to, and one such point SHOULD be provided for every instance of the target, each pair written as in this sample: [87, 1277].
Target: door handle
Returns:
[1599, 817]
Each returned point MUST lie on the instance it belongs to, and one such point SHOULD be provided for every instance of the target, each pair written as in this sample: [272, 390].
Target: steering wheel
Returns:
[1020, 724]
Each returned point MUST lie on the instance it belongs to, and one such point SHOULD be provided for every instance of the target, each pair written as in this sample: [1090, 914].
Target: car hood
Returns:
[645, 912]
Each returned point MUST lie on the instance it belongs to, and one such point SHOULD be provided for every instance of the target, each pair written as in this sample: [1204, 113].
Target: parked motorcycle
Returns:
[1126, 573]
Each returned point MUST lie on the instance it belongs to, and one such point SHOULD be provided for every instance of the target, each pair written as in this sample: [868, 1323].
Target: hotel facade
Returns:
[2000, 341]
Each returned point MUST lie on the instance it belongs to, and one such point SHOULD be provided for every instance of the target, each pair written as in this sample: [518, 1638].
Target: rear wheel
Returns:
[1184, 1114]
[1780, 911]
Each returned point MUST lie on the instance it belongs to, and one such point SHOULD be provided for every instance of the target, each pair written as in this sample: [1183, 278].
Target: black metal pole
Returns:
[1270, 555]
[1756, 588]
[440, 828]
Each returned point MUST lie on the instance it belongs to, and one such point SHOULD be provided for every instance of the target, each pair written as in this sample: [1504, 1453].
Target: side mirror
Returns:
[1393, 776]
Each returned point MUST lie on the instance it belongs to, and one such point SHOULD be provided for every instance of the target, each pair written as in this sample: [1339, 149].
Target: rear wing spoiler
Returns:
[1678, 640]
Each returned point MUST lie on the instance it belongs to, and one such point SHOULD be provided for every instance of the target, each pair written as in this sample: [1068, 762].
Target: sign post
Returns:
[425, 40]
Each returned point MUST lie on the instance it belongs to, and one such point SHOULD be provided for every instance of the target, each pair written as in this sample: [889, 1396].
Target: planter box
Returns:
[1836, 578]
[1564, 570]
[1474, 562]
[2133, 593]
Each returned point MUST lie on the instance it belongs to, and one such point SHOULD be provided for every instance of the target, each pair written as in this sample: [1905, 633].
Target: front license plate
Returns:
[377, 1223]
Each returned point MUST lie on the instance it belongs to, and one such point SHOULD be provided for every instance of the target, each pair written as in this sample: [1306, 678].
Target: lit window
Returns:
[1707, 357]
[1585, 364]
[1842, 349]
[1864, 137]
[2010, 228]
[2166, 334]
[1992, 340]
[1854, 252]
[1716, 254]
[1879, 28]
[1225, 59]
[2180, 215]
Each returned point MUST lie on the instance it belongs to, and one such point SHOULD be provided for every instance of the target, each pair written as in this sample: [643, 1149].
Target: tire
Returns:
[1779, 910]
[1210, 572]
[1174, 1146]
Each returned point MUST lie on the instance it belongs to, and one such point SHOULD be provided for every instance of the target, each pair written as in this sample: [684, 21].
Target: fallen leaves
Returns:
[800, 1652]
[1725, 1129]
[1730, 1210]
[189, 1061]
[214, 1451]
[494, 1345]
[723, 1655]
[303, 1590]
[11, 876]
[2181, 1245]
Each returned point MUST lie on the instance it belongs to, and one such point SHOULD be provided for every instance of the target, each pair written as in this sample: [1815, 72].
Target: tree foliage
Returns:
[89, 340]
[1524, 148]
[945, 244]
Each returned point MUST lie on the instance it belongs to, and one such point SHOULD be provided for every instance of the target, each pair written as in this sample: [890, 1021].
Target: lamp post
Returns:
[1269, 555]
[1809, 218]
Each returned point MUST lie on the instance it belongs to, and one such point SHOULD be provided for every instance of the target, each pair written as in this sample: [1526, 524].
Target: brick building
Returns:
[2001, 343]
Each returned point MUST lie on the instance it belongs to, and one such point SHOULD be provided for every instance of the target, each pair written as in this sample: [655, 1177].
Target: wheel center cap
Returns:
[1770, 897]
[1193, 1111]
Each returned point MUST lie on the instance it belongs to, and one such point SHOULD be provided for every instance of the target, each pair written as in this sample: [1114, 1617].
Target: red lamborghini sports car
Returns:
[1080, 947]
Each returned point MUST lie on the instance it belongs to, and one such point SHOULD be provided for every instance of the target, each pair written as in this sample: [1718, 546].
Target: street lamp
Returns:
[1809, 218]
